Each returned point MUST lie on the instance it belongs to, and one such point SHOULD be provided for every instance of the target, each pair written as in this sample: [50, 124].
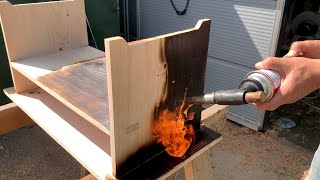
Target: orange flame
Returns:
[171, 130]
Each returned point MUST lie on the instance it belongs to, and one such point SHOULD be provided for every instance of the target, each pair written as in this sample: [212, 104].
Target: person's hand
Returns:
[299, 77]
[308, 49]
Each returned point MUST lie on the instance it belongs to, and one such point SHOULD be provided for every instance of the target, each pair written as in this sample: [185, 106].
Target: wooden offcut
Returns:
[99, 106]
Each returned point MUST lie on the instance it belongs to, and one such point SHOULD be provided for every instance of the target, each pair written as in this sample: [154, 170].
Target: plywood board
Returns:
[149, 75]
[87, 144]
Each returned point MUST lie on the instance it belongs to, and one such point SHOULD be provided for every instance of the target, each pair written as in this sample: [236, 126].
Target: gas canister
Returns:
[270, 81]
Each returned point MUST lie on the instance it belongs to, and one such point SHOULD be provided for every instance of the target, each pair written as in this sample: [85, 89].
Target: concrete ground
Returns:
[29, 153]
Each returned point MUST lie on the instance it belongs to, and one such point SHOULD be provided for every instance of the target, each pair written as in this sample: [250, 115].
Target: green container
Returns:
[104, 22]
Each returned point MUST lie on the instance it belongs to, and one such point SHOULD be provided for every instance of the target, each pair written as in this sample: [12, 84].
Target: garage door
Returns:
[243, 32]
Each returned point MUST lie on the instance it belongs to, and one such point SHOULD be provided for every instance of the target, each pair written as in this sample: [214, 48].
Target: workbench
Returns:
[101, 106]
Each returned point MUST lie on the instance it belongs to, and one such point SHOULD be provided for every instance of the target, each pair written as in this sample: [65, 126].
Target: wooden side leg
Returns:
[199, 168]
[172, 176]
[12, 118]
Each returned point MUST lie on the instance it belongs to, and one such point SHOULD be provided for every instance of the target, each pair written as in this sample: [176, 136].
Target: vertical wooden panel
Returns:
[199, 168]
[41, 28]
[146, 75]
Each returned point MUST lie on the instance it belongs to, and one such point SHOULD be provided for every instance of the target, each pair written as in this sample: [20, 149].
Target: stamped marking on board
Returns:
[132, 128]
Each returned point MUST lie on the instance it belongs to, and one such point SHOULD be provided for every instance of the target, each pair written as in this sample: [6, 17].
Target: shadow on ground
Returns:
[307, 131]
[29, 153]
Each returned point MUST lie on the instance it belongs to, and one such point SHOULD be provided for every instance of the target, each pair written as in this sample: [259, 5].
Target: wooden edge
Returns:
[215, 117]
[12, 118]
[89, 177]
[58, 97]
[115, 47]
[199, 168]
[194, 156]
[21, 82]
[54, 123]
[5, 2]
[172, 176]
[197, 27]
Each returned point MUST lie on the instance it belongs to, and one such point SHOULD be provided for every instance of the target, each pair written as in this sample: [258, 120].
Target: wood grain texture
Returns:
[186, 57]
[199, 168]
[199, 164]
[172, 176]
[87, 144]
[161, 165]
[83, 88]
[75, 77]
[12, 118]
[42, 28]
[37, 66]
[140, 78]
[21, 82]
[215, 117]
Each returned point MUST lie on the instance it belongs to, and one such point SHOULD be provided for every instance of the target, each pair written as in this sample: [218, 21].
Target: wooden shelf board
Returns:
[81, 86]
[41, 65]
[154, 163]
[68, 129]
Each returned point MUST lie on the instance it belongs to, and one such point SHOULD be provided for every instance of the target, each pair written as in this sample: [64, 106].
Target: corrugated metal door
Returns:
[243, 32]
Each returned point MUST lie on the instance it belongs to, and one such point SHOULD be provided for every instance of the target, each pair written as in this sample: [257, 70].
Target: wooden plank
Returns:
[172, 176]
[21, 83]
[145, 75]
[215, 117]
[40, 28]
[37, 66]
[82, 86]
[89, 177]
[145, 165]
[12, 118]
[199, 168]
[87, 144]
[211, 115]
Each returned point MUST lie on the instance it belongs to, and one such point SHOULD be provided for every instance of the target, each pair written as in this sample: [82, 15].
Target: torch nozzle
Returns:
[229, 97]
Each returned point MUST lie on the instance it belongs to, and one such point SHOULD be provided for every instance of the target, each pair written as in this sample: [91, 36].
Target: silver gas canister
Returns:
[270, 81]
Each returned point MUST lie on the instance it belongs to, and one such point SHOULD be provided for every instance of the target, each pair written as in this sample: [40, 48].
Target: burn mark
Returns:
[153, 162]
[186, 58]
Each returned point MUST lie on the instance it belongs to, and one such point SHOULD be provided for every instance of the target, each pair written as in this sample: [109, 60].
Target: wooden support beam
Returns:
[85, 142]
[199, 168]
[12, 118]
[215, 117]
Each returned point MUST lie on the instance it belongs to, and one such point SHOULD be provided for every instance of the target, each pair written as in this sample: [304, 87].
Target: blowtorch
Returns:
[257, 86]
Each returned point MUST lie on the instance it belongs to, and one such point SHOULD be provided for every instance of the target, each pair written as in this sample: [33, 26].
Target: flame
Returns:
[172, 131]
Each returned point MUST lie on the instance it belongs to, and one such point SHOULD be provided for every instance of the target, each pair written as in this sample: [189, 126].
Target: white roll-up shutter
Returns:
[243, 32]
